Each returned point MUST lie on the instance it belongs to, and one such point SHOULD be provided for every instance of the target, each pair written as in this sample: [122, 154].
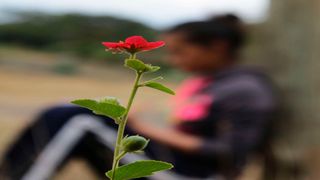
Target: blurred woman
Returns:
[220, 116]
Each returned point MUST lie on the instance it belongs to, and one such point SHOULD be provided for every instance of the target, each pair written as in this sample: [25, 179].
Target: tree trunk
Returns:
[288, 46]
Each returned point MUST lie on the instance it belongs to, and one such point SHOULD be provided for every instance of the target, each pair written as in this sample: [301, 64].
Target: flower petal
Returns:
[111, 45]
[153, 45]
[136, 42]
[132, 45]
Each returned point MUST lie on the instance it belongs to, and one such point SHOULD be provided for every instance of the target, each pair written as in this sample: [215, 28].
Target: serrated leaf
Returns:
[152, 68]
[110, 100]
[140, 66]
[159, 86]
[139, 169]
[110, 109]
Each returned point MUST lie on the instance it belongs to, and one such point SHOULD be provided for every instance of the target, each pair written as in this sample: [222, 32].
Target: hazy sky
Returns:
[156, 13]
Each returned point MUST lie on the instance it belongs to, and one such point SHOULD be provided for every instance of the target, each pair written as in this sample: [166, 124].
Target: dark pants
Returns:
[23, 153]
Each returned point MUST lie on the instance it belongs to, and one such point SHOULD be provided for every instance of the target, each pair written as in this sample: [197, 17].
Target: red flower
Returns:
[133, 45]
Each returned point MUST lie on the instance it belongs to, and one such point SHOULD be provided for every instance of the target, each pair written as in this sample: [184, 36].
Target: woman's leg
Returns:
[68, 131]
[50, 132]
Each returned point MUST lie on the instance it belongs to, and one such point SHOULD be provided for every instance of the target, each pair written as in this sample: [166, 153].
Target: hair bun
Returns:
[232, 25]
[226, 19]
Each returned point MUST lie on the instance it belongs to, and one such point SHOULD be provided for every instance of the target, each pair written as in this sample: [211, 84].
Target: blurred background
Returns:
[51, 53]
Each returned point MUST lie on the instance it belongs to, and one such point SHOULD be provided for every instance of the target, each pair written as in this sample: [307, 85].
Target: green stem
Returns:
[121, 155]
[122, 125]
[116, 161]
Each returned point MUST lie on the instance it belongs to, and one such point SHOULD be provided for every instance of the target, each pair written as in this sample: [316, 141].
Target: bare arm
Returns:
[168, 136]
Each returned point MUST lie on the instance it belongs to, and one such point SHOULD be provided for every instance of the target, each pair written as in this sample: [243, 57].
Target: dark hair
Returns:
[224, 27]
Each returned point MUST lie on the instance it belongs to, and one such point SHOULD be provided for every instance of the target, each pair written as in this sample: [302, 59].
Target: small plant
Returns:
[111, 108]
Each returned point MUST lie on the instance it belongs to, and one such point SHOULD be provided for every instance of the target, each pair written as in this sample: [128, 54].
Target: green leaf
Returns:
[161, 87]
[140, 66]
[139, 169]
[135, 64]
[151, 68]
[106, 107]
[110, 100]
[155, 79]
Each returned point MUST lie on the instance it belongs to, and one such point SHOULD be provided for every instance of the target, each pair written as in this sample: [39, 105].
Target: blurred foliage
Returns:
[76, 34]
